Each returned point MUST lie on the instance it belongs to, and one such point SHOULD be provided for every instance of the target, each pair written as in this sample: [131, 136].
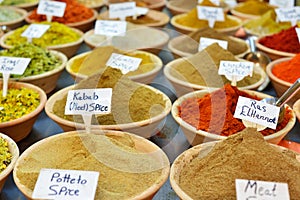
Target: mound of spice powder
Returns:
[245, 155]
[5, 155]
[286, 40]
[214, 112]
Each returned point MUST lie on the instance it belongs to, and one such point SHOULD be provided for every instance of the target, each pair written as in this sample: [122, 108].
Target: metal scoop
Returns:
[259, 58]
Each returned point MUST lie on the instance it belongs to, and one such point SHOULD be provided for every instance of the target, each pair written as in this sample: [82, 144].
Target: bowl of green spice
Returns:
[12, 17]
[24, 4]
[20, 108]
[45, 66]
[9, 152]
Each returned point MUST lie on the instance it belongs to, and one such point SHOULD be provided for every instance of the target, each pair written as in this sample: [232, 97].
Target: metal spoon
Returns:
[259, 58]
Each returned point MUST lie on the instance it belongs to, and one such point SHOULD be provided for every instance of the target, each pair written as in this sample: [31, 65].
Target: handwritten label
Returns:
[288, 14]
[282, 3]
[205, 42]
[122, 10]
[13, 65]
[51, 8]
[35, 30]
[261, 190]
[216, 2]
[89, 101]
[211, 14]
[110, 28]
[257, 112]
[65, 184]
[235, 68]
[124, 63]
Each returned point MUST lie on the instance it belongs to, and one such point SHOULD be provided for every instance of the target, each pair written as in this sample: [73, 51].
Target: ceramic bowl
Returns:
[14, 150]
[144, 147]
[186, 158]
[68, 49]
[138, 37]
[28, 6]
[196, 137]
[13, 24]
[84, 25]
[145, 78]
[186, 30]
[151, 4]
[46, 81]
[183, 87]
[19, 128]
[144, 128]
[177, 53]
[296, 108]
[272, 53]
[161, 19]
[280, 86]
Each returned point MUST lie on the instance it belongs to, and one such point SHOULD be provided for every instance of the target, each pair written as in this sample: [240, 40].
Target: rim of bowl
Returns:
[243, 15]
[164, 175]
[18, 10]
[272, 76]
[52, 47]
[296, 108]
[59, 68]
[152, 5]
[200, 93]
[27, 5]
[62, 92]
[168, 67]
[39, 108]
[14, 150]
[170, 6]
[272, 51]
[157, 62]
[174, 41]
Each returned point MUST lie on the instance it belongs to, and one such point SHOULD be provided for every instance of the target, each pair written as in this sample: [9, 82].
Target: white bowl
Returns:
[196, 137]
[145, 148]
[145, 78]
[16, 22]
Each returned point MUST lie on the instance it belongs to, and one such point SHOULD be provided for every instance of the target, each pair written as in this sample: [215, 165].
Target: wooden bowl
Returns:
[84, 25]
[296, 108]
[186, 30]
[14, 150]
[46, 81]
[152, 4]
[243, 16]
[139, 37]
[280, 86]
[145, 78]
[144, 128]
[28, 6]
[196, 137]
[19, 128]
[94, 4]
[13, 24]
[177, 10]
[144, 147]
[183, 87]
[68, 49]
[161, 18]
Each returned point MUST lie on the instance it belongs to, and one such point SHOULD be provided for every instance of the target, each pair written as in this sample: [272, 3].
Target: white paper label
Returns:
[110, 28]
[51, 8]
[211, 14]
[257, 112]
[13, 65]
[35, 30]
[89, 101]
[124, 63]
[122, 10]
[261, 190]
[216, 2]
[205, 42]
[235, 68]
[282, 3]
[288, 14]
[66, 184]
[141, 11]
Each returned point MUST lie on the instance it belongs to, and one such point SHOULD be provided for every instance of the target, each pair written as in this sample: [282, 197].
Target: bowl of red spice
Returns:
[20, 108]
[283, 73]
[279, 45]
[296, 108]
[207, 115]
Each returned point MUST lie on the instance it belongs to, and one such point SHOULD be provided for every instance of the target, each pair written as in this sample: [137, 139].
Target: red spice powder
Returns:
[75, 12]
[214, 112]
[286, 40]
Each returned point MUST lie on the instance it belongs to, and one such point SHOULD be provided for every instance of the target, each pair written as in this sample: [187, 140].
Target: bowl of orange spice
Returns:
[76, 16]
[207, 115]
[283, 73]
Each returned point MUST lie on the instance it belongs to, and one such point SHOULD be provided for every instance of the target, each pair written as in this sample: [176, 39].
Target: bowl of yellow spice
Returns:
[20, 108]
[88, 63]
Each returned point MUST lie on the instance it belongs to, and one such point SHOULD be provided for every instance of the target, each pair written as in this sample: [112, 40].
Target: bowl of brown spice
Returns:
[209, 170]
[151, 4]
[130, 167]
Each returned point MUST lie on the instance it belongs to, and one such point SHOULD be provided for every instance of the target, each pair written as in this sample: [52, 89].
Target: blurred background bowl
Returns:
[15, 23]
[151, 4]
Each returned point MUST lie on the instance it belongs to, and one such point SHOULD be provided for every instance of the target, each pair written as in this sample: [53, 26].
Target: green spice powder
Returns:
[7, 15]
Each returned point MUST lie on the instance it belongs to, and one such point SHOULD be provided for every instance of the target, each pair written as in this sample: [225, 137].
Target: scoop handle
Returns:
[289, 93]
[252, 45]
